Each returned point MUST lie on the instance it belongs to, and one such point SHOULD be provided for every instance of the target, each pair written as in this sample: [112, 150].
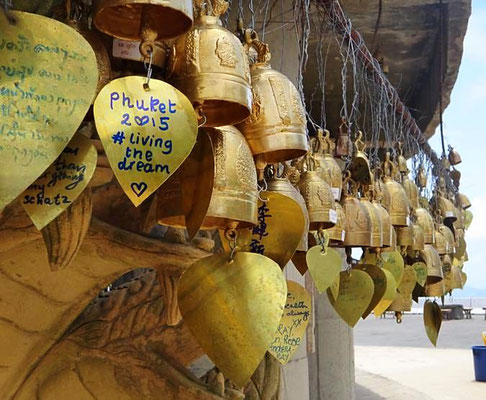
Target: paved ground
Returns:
[397, 362]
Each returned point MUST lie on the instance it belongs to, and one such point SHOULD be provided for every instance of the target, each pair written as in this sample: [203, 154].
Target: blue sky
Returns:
[465, 130]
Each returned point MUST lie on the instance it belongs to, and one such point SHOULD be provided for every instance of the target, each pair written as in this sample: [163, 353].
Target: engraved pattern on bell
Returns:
[426, 222]
[358, 223]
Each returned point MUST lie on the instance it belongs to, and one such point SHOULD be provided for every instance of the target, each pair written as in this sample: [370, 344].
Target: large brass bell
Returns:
[327, 166]
[283, 186]
[234, 201]
[412, 192]
[426, 222]
[434, 264]
[338, 232]
[398, 208]
[127, 19]
[209, 65]
[462, 201]
[376, 223]
[276, 128]
[318, 198]
[358, 222]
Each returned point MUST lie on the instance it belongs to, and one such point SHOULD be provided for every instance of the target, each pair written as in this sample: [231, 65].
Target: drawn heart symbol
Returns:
[45, 100]
[139, 188]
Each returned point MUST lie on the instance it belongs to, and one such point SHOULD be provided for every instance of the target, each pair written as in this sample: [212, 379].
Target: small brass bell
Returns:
[358, 222]
[327, 166]
[338, 232]
[422, 178]
[434, 264]
[426, 222]
[235, 195]
[454, 157]
[210, 66]
[344, 145]
[456, 177]
[418, 238]
[412, 192]
[276, 128]
[360, 166]
[462, 201]
[404, 235]
[376, 223]
[127, 19]
[318, 198]
[402, 162]
[448, 237]
[283, 186]
[398, 208]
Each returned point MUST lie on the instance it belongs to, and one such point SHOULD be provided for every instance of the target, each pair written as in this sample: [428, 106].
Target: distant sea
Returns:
[469, 297]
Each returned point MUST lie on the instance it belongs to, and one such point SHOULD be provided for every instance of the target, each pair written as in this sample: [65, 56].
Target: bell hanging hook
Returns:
[146, 85]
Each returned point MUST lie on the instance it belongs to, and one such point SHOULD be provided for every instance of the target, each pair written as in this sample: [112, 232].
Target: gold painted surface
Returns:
[333, 290]
[355, 293]
[380, 285]
[432, 320]
[146, 134]
[233, 309]
[389, 296]
[62, 183]
[280, 226]
[421, 272]
[393, 262]
[49, 76]
[324, 266]
[291, 330]
[409, 279]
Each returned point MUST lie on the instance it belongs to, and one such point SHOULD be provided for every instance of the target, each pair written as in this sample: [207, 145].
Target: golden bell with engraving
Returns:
[376, 223]
[412, 192]
[283, 186]
[127, 19]
[398, 207]
[337, 232]
[276, 128]
[358, 224]
[434, 264]
[386, 225]
[383, 194]
[447, 209]
[426, 222]
[404, 235]
[440, 243]
[234, 201]
[210, 66]
[462, 201]
[418, 238]
[327, 166]
[448, 237]
[318, 198]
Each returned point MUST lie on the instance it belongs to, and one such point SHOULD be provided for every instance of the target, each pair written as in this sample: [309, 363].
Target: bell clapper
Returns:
[398, 316]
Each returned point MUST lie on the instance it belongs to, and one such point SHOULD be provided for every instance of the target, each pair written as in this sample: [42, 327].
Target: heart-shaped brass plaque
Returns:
[380, 282]
[62, 183]
[233, 309]
[409, 279]
[293, 324]
[389, 296]
[355, 292]
[146, 135]
[432, 320]
[393, 262]
[421, 271]
[324, 266]
[49, 76]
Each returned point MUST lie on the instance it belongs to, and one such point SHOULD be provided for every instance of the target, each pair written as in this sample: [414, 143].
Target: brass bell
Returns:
[327, 166]
[235, 195]
[447, 210]
[398, 208]
[386, 225]
[412, 192]
[448, 237]
[435, 289]
[454, 157]
[376, 223]
[276, 128]
[456, 177]
[337, 232]
[210, 66]
[426, 222]
[344, 145]
[127, 19]
[358, 223]
[440, 243]
[402, 162]
[383, 194]
[434, 264]
[169, 203]
[360, 166]
[283, 186]
[418, 238]
[422, 178]
[459, 222]
[462, 201]
[457, 278]
[404, 235]
[400, 303]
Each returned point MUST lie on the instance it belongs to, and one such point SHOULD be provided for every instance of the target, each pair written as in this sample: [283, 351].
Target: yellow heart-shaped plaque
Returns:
[380, 283]
[62, 183]
[355, 292]
[393, 262]
[233, 309]
[293, 324]
[281, 223]
[146, 134]
[324, 266]
[333, 290]
[421, 271]
[409, 279]
[389, 296]
[48, 75]
[432, 320]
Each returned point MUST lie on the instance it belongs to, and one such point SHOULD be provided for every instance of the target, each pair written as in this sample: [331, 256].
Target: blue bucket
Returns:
[479, 354]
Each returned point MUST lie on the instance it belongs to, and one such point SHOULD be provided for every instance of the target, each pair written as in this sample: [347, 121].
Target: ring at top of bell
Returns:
[234, 200]
[276, 128]
[426, 222]
[283, 186]
[126, 19]
[210, 66]
[338, 232]
[412, 192]
[327, 166]
[462, 201]
[376, 223]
